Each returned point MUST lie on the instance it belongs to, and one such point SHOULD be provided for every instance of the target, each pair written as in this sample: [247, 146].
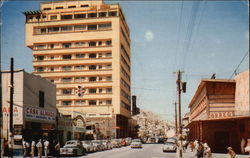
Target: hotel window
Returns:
[40, 69]
[67, 28]
[51, 69]
[109, 78]
[66, 45]
[92, 15]
[99, 43]
[109, 102]
[102, 14]
[66, 68]
[52, 46]
[100, 78]
[92, 90]
[109, 90]
[100, 66]
[80, 102]
[59, 7]
[92, 102]
[44, 16]
[63, 17]
[66, 103]
[112, 13]
[66, 56]
[80, 55]
[92, 27]
[37, 31]
[92, 79]
[108, 66]
[92, 44]
[40, 47]
[80, 16]
[108, 54]
[66, 79]
[46, 8]
[53, 29]
[92, 55]
[80, 27]
[100, 90]
[92, 67]
[78, 44]
[73, 6]
[51, 57]
[79, 67]
[108, 43]
[53, 17]
[41, 99]
[43, 30]
[67, 91]
[40, 58]
[104, 26]
[86, 5]
[79, 79]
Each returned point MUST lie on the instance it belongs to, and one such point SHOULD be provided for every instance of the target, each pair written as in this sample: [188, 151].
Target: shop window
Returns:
[41, 99]
[53, 17]
[102, 14]
[92, 15]
[92, 79]
[63, 17]
[66, 45]
[92, 90]
[66, 57]
[53, 29]
[112, 13]
[92, 102]
[92, 55]
[67, 28]
[92, 27]
[92, 67]
[59, 7]
[80, 16]
[92, 44]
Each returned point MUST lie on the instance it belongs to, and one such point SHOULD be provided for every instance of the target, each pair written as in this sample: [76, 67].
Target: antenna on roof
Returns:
[213, 76]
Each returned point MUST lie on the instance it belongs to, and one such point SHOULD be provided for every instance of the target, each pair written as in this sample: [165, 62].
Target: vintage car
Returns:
[136, 143]
[72, 148]
[87, 144]
[169, 146]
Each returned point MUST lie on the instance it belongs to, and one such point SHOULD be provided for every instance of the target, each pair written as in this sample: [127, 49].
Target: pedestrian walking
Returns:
[199, 150]
[25, 149]
[231, 152]
[207, 151]
[247, 148]
[33, 144]
[57, 149]
[46, 148]
[39, 146]
[191, 145]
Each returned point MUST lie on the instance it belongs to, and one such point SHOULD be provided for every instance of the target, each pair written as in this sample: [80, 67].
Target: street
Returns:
[148, 151]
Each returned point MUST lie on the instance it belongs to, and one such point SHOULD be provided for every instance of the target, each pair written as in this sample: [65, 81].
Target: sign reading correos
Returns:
[39, 114]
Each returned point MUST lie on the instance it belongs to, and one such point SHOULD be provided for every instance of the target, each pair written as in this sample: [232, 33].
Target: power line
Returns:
[234, 72]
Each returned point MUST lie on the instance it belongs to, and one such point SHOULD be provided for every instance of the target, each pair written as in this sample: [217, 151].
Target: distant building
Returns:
[84, 48]
[219, 113]
[34, 110]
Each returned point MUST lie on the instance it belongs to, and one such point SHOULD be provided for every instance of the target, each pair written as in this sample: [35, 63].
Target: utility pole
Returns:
[180, 86]
[11, 106]
[175, 116]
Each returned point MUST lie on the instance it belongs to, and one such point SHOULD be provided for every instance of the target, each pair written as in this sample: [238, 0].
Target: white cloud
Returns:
[149, 35]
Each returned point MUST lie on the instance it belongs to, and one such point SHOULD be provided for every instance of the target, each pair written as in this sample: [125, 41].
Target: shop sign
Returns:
[79, 121]
[17, 113]
[217, 115]
[39, 114]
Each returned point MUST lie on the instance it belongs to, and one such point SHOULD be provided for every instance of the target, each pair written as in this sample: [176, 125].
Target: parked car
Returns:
[169, 146]
[123, 142]
[136, 143]
[72, 148]
[172, 140]
[98, 144]
[88, 146]
[115, 143]
[107, 144]
[128, 140]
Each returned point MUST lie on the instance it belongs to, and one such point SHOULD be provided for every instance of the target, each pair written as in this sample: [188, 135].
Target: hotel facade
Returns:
[84, 48]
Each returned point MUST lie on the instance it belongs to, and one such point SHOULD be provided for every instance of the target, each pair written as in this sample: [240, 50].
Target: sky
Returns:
[197, 37]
